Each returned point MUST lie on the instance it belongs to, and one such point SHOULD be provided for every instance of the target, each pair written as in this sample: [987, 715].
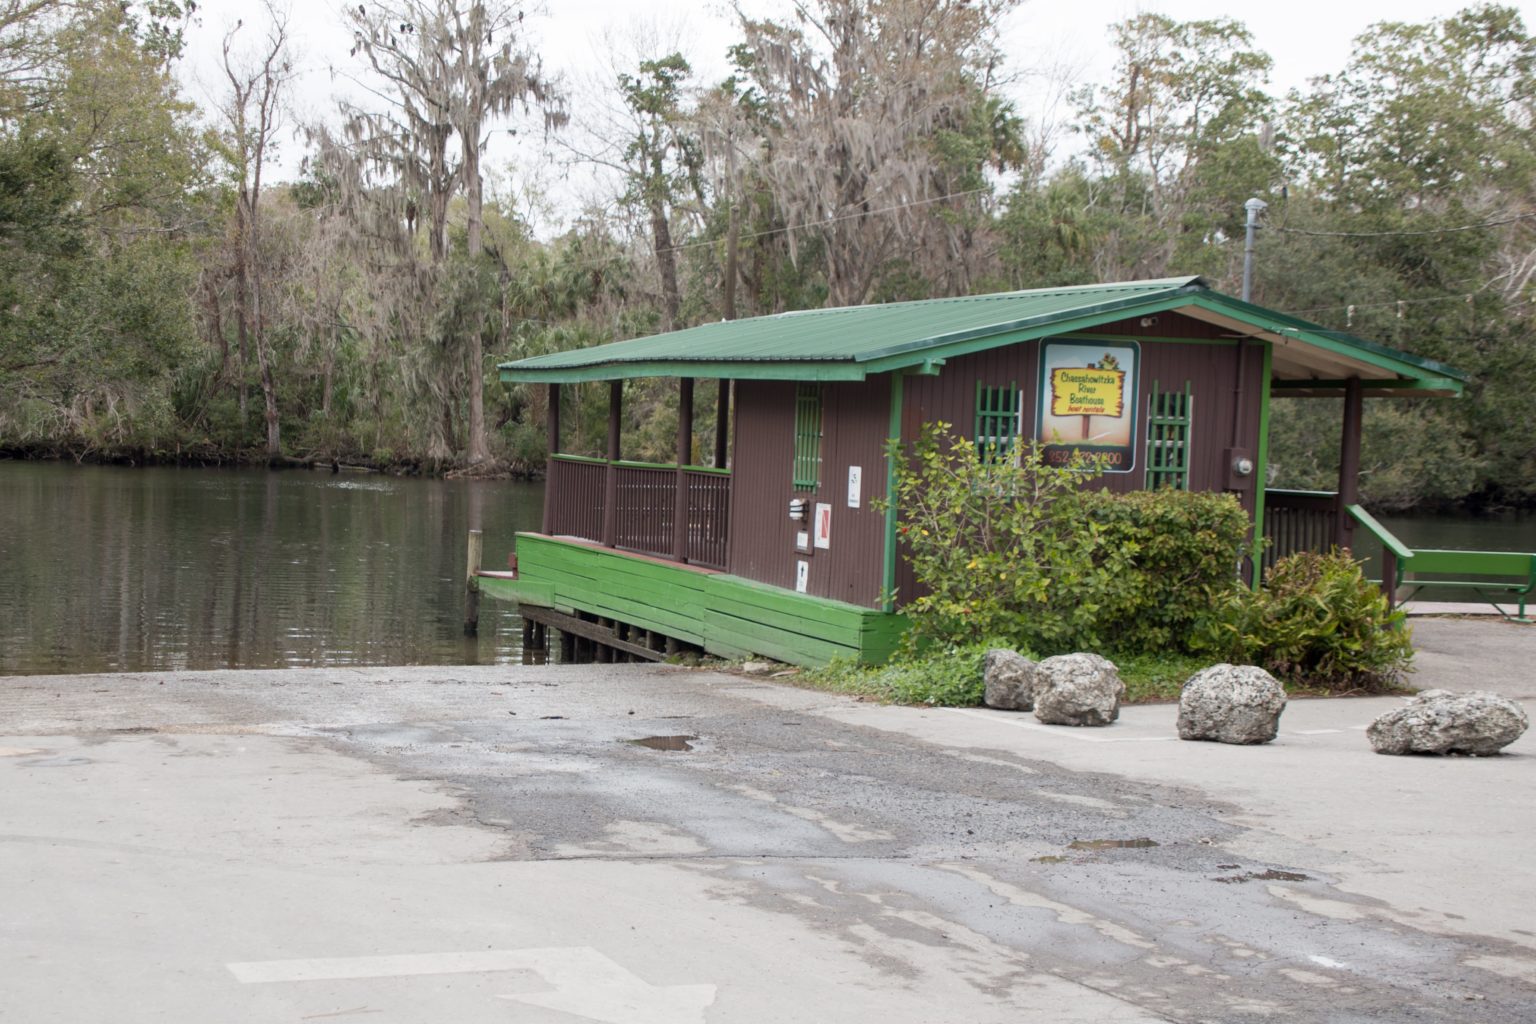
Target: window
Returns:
[807, 471]
[1168, 419]
[998, 412]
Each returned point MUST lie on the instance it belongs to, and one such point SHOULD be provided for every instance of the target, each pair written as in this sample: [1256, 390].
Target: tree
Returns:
[252, 118]
[98, 247]
[1181, 138]
[853, 92]
[454, 68]
[662, 157]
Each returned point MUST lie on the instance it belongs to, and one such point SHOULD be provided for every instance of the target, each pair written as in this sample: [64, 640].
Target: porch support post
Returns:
[1349, 462]
[722, 422]
[552, 431]
[684, 457]
[893, 433]
[611, 482]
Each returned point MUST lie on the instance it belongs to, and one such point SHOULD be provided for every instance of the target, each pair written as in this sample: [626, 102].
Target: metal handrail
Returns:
[1388, 540]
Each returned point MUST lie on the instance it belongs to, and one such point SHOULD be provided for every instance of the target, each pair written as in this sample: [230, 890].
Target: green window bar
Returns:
[998, 411]
[1168, 419]
[807, 437]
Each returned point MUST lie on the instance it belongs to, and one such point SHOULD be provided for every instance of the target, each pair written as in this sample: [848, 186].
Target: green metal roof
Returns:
[854, 342]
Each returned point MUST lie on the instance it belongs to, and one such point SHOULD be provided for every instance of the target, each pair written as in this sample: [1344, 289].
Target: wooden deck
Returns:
[719, 613]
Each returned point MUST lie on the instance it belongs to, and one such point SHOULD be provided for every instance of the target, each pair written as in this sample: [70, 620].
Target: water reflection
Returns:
[114, 569]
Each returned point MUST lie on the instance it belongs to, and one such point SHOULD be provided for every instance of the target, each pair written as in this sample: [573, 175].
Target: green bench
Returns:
[1492, 575]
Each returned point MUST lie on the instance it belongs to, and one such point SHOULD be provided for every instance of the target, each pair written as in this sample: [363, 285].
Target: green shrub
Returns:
[1317, 622]
[1172, 558]
[1022, 552]
[1001, 549]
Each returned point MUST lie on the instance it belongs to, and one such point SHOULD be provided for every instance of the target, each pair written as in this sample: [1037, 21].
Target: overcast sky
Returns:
[1043, 39]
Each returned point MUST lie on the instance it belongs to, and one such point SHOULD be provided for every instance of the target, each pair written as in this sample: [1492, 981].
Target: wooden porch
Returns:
[681, 513]
[632, 605]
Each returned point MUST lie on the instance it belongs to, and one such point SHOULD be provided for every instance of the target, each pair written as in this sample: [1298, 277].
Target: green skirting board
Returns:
[724, 614]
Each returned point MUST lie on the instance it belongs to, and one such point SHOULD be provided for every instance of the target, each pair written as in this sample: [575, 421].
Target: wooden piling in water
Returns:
[472, 584]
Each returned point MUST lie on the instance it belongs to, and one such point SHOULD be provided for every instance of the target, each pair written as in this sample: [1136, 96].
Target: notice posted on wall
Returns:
[855, 486]
[1087, 402]
[823, 525]
[802, 576]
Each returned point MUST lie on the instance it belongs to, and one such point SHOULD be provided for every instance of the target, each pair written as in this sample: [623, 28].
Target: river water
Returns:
[113, 569]
[110, 569]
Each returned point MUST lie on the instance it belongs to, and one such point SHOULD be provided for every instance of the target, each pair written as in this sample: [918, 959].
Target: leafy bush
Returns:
[1021, 551]
[1173, 557]
[1002, 549]
[1317, 621]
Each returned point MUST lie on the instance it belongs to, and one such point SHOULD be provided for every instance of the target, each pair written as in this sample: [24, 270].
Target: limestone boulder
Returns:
[1010, 680]
[1442, 722]
[1238, 704]
[1077, 689]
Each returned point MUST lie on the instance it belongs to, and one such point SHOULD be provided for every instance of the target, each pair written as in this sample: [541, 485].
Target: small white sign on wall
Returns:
[802, 576]
[855, 486]
[823, 525]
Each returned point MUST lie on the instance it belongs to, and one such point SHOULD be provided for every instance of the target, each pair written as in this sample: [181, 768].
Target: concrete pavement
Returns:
[486, 844]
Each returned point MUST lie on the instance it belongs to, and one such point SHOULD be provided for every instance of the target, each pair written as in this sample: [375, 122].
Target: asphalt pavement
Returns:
[492, 844]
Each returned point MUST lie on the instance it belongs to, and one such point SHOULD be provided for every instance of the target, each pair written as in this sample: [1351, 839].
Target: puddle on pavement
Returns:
[665, 742]
[1265, 876]
[1110, 844]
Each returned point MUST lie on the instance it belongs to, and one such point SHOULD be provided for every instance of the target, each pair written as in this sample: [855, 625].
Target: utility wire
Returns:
[1463, 298]
[1399, 234]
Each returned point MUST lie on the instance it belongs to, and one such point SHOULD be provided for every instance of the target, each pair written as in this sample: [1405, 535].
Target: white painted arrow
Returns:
[586, 983]
[590, 985]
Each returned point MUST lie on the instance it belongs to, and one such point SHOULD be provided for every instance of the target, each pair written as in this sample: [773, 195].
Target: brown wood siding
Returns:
[855, 421]
[1212, 370]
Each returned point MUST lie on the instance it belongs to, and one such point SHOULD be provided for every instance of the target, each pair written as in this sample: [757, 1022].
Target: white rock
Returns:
[1010, 680]
[1442, 722]
[1077, 689]
[1231, 704]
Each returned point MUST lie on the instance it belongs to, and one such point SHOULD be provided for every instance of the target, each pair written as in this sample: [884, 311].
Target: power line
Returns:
[1400, 234]
[1464, 298]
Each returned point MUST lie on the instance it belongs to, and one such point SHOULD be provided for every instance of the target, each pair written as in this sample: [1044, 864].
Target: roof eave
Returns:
[744, 369]
[1400, 365]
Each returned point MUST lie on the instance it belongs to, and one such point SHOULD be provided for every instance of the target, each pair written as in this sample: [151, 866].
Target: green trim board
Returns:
[852, 343]
[724, 614]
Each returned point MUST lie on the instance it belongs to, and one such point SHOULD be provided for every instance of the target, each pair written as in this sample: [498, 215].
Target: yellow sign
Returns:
[1087, 391]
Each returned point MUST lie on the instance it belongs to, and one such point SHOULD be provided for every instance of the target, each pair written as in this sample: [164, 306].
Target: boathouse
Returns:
[779, 549]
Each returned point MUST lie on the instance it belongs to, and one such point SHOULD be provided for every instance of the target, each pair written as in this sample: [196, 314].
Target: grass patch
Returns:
[1150, 678]
[952, 677]
[945, 677]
